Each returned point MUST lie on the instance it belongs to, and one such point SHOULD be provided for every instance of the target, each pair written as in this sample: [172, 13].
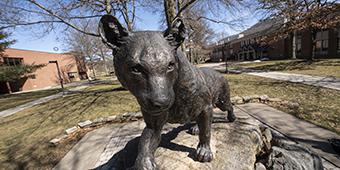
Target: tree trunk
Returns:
[170, 7]
[294, 45]
[225, 58]
[104, 60]
[94, 72]
[312, 57]
[108, 7]
[8, 87]
[170, 11]
[190, 54]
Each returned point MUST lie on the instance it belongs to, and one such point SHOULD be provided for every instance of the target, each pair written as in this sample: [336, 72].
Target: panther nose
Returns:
[161, 102]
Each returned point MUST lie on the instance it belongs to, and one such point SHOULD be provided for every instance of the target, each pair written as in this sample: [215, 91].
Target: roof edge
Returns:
[36, 51]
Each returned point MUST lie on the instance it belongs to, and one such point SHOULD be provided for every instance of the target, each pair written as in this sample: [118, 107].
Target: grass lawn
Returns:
[11, 100]
[327, 67]
[320, 106]
[24, 136]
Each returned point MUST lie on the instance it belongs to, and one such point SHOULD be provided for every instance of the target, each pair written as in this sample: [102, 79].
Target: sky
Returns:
[146, 21]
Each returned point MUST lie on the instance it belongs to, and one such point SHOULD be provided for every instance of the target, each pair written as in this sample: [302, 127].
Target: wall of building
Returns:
[277, 49]
[282, 49]
[47, 76]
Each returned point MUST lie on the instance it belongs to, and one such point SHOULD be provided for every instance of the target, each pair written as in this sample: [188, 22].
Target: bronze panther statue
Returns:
[166, 85]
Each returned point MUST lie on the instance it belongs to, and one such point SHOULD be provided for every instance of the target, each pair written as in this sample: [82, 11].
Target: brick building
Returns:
[245, 46]
[47, 76]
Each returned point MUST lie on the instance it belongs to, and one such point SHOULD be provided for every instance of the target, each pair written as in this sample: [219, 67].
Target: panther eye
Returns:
[136, 69]
[171, 66]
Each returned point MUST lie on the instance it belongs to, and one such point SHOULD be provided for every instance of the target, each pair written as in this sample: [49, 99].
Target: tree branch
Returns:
[213, 20]
[28, 23]
[184, 7]
[61, 19]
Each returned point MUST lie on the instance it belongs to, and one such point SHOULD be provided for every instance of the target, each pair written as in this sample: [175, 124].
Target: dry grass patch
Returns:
[318, 105]
[24, 136]
[12, 100]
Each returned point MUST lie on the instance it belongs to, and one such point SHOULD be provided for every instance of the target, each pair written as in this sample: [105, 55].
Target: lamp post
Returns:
[59, 73]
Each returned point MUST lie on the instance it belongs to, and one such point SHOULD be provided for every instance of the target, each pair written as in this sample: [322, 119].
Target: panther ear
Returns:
[176, 33]
[112, 32]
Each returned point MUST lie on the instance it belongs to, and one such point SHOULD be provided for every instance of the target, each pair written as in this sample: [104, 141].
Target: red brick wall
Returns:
[277, 50]
[332, 44]
[48, 75]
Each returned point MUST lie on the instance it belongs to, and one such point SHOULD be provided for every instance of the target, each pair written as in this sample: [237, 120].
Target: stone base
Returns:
[235, 146]
[178, 147]
[243, 144]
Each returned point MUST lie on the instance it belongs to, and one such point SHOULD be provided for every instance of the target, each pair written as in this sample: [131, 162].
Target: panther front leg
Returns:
[204, 121]
[149, 142]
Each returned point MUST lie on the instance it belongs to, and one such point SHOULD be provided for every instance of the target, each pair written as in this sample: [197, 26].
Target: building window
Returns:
[322, 42]
[12, 61]
[72, 75]
[298, 43]
[252, 41]
[32, 76]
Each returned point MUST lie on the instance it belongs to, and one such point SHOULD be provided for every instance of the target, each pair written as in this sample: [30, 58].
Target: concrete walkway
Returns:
[94, 149]
[19, 108]
[308, 134]
[220, 67]
[328, 82]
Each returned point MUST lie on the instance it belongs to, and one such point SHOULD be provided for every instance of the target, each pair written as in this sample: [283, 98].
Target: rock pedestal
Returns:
[243, 144]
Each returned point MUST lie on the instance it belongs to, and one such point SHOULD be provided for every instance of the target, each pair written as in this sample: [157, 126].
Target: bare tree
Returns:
[286, 9]
[65, 14]
[312, 15]
[88, 48]
[216, 11]
[199, 35]
[197, 16]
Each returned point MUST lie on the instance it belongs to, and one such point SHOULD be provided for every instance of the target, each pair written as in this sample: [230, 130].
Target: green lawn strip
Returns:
[24, 136]
[12, 100]
[317, 105]
[327, 67]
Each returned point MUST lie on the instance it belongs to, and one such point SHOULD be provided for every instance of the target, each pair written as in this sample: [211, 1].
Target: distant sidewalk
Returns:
[19, 108]
[76, 86]
[328, 82]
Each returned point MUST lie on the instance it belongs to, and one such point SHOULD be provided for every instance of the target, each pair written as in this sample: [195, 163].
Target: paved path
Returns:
[316, 138]
[328, 82]
[94, 149]
[19, 108]
[86, 153]
[77, 86]
[220, 67]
